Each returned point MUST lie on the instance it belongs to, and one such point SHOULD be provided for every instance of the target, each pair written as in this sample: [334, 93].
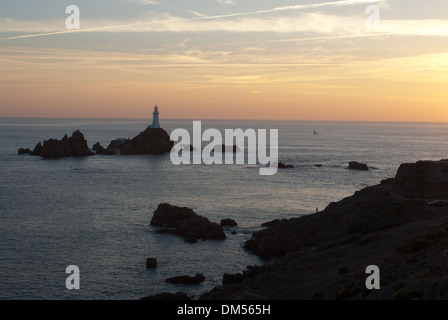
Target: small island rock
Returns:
[185, 222]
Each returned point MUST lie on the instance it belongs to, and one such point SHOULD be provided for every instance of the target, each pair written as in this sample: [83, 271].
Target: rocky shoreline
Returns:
[396, 225]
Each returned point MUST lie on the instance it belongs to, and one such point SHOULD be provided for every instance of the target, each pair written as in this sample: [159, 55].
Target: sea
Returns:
[95, 212]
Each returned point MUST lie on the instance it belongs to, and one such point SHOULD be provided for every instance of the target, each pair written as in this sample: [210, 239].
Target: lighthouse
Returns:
[155, 119]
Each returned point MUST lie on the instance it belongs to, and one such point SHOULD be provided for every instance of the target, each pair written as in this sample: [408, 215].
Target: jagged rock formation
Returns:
[75, 146]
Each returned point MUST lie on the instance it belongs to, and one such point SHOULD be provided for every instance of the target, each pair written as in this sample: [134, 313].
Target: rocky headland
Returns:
[392, 225]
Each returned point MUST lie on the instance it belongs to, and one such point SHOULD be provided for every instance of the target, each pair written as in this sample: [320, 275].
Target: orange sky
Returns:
[334, 71]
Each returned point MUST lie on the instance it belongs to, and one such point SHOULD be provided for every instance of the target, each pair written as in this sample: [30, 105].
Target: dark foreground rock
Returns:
[353, 165]
[185, 222]
[197, 279]
[325, 255]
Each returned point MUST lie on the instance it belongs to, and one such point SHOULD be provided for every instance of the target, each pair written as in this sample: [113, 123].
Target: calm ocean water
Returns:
[95, 212]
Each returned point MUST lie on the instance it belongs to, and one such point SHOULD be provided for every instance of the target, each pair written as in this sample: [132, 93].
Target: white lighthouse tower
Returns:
[155, 119]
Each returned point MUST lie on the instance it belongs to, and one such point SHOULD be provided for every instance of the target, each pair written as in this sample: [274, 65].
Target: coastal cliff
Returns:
[396, 225]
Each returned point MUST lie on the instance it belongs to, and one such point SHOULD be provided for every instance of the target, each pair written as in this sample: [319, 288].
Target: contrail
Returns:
[205, 17]
[295, 7]
[70, 31]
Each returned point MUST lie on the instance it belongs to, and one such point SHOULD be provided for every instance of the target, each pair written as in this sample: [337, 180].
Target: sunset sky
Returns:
[225, 59]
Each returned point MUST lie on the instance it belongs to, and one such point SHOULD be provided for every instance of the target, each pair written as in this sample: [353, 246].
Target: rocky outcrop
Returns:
[428, 178]
[325, 255]
[23, 151]
[197, 279]
[185, 222]
[151, 263]
[37, 149]
[99, 149]
[75, 146]
[353, 165]
[228, 223]
[150, 141]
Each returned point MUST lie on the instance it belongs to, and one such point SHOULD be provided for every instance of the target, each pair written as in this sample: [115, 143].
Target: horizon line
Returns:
[228, 119]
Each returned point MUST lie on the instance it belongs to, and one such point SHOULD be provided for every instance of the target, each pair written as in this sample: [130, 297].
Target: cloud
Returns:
[302, 26]
[226, 1]
[144, 1]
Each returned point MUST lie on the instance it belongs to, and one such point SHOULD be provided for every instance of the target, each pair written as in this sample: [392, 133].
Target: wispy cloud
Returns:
[177, 24]
[226, 1]
[144, 1]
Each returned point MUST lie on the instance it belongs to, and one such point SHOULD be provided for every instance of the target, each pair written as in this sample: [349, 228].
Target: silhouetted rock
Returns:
[151, 263]
[324, 255]
[167, 296]
[186, 223]
[99, 149]
[281, 165]
[428, 178]
[353, 165]
[75, 146]
[232, 278]
[23, 151]
[228, 222]
[198, 278]
[37, 149]
[150, 141]
[78, 145]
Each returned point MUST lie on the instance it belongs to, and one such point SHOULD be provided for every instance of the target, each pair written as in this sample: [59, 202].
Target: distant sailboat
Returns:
[314, 130]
